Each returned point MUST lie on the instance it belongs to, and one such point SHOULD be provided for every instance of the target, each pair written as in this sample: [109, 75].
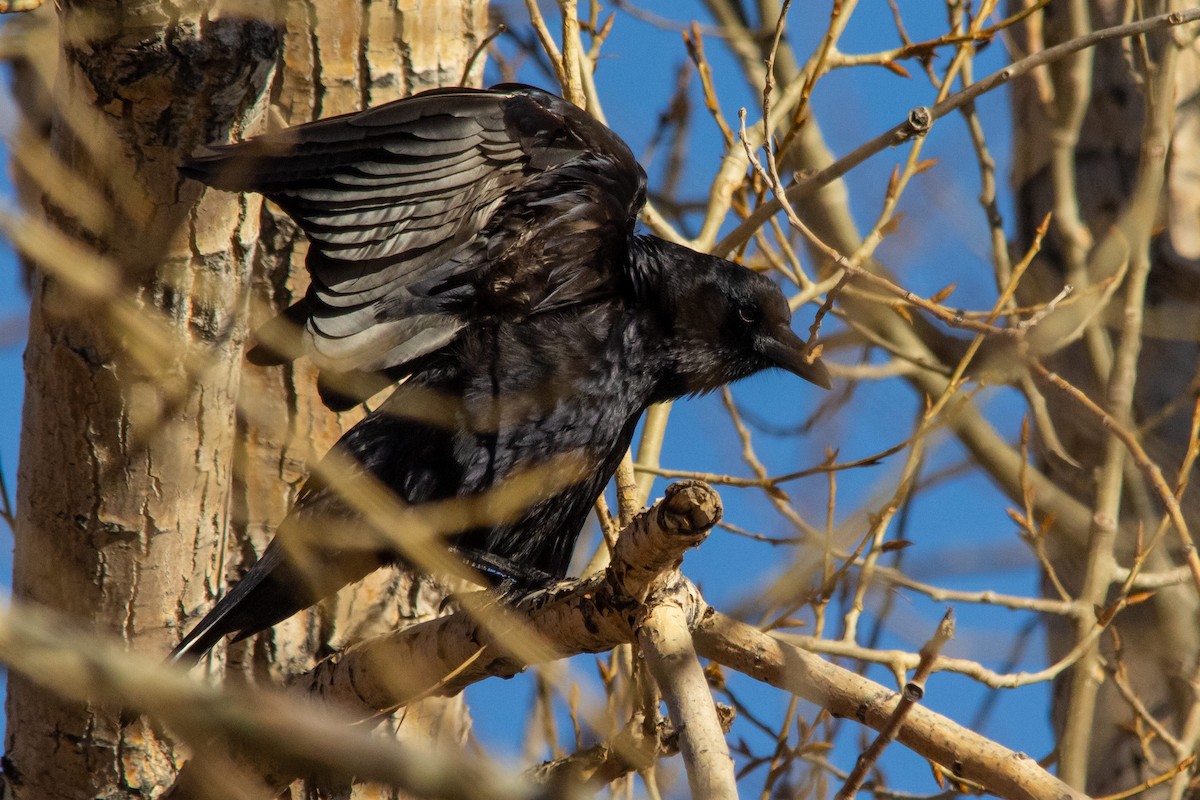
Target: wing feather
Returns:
[509, 199]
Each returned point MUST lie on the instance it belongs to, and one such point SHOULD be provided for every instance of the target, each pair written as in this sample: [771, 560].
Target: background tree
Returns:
[1105, 142]
[155, 462]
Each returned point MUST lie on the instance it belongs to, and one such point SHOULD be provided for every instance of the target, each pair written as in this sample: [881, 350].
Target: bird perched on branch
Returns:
[481, 245]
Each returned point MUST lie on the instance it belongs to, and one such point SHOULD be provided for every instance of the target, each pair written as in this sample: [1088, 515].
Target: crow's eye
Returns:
[748, 313]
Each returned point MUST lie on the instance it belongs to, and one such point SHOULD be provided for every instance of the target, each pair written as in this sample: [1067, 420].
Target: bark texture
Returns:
[154, 464]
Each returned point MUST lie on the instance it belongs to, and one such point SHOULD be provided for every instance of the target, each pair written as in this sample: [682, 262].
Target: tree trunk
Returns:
[1107, 141]
[154, 463]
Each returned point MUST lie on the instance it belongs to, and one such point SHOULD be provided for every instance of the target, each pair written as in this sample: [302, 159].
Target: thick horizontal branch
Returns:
[595, 615]
[590, 617]
[443, 656]
[1005, 773]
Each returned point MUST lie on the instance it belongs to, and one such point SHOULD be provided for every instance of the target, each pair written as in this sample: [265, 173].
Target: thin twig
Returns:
[1120, 678]
[479, 50]
[1140, 458]
[1182, 767]
[922, 50]
[919, 121]
[762, 483]
[694, 42]
[547, 41]
[914, 690]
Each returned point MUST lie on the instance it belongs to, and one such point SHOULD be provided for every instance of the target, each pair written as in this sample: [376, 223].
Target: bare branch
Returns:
[1013, 776]
[667, 645]
[919, 120]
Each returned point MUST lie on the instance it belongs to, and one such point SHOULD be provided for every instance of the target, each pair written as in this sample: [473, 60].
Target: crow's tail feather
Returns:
[281, 584]
[263, 597]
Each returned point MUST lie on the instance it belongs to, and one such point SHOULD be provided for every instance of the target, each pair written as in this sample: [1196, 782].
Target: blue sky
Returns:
[939, 242]
[14, 307]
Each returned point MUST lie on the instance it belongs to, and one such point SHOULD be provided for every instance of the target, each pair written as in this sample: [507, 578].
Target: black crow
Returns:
[480, 244]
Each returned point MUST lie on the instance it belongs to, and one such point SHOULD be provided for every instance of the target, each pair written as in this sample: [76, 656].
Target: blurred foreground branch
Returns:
[294, 737]
[87, 669]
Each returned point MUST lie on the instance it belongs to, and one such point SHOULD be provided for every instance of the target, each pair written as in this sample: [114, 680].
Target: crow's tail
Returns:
[281, 584]
[263, 597]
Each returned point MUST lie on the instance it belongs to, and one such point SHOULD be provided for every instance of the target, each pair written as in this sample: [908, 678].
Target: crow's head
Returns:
[730, 322]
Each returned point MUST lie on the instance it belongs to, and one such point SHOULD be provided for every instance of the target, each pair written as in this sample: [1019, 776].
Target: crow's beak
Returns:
[788, 351]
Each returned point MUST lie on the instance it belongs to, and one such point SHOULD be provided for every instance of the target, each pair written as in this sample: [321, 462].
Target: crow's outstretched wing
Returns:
[429, 214]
